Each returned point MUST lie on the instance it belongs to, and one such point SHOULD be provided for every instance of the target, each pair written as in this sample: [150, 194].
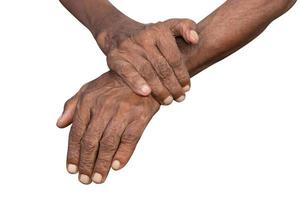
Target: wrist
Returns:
[105, 22]
[122, 28]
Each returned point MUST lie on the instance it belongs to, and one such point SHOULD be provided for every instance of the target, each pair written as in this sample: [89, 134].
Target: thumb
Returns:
[185, 28]
[66, 117]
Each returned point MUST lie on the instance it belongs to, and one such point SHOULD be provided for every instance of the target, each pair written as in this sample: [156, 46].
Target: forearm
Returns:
[102, 19]
[230, 27]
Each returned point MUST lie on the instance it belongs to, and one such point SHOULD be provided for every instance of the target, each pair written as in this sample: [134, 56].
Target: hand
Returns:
[145, 56]
[108, 120]
[148, 58]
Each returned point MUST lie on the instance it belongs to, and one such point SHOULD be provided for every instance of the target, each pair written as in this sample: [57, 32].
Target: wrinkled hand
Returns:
[108, 120]
[149, 60]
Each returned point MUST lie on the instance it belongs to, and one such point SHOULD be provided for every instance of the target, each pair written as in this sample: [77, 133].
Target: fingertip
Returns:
[58, 125]
[62, 122]
[66, 117]
[193, 37]
[186, 88]
[145, 90]
[116, 165]
[72, 169]
[168, 100]
[180, 99]
[97, 178]
[85, 179]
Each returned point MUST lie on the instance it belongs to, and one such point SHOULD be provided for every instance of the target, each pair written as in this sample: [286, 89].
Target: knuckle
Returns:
[147, 72]
[158, 27]
[124, 70]
[176, 62]
[87, 97]
[89, 145]
[186, 22]
[102, 163]
[121, 71]
[159, 23]
[112, 57]
[157, 30]
[142, 63]
[171, 22]
[83, 88]
[107, 101]
[130, 139]
[150, 28]
[146, 31]
[160, 61]
[123, 44]
[75, 133]
[146, 38]
[148, 34]
[164, 71]
[108, 144]
[126, 44]
[112, 54]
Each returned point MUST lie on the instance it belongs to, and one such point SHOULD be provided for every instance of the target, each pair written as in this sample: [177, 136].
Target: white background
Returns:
[236, 136]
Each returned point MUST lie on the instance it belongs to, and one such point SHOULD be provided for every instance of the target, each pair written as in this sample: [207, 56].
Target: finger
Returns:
[128, 142]
[159, 91]
[90, 143]
[185, 28]
[80, 122]
[169, 49]
[66, 117]
[128, 73]
[165, 73]
[108, 146]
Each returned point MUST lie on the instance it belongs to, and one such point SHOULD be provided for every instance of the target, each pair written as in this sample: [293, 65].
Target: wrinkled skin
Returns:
[108, 121]
[217, 42]
[145, 56]
[148, 59]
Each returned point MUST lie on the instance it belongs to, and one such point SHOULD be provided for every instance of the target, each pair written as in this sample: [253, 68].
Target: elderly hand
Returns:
[148, 59]
[108, 120]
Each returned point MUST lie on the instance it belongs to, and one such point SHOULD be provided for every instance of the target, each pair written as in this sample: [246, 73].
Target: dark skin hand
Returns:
[107, 124]
[146, 56]
[151, 57]
[216, 42]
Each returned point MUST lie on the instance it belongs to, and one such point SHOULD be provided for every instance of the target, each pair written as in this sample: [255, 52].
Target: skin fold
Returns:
[95, 141]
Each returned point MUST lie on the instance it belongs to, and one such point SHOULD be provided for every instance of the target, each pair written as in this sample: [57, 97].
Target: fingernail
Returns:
[168, 100]
[145, 89]
[180, 99]
[72, 169]
[84, 179]
[97, 178]
[186, 88]
[116, 165]
[194, 36]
